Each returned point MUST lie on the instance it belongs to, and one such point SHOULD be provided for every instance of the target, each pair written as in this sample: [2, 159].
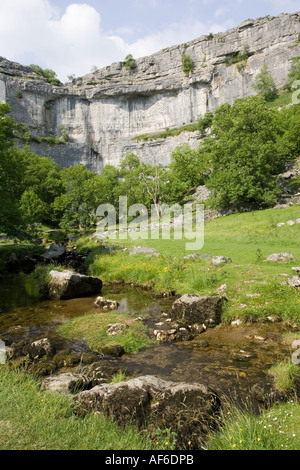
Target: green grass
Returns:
[254, 288]
[192, 127]
[286, 374]
[282, 99]
[92, 329]
[274, 429]
[32, 419]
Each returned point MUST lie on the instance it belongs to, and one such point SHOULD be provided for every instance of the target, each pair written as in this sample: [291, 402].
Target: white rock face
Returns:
[105, 111]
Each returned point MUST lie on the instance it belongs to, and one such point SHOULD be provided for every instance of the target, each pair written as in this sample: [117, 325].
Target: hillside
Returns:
[96, 119]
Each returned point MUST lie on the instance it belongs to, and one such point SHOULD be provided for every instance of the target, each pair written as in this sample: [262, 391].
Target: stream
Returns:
[229, 359]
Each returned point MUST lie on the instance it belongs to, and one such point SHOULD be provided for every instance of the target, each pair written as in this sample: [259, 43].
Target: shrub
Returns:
[48, 74]
[129, 62]
[264, 84]
[188, 64]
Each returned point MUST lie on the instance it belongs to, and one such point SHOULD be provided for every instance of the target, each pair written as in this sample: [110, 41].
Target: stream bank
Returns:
[230, 359]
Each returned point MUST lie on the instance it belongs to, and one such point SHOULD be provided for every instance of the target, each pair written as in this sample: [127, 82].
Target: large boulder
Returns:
[193, 310]
[189, 410]
[68, 284]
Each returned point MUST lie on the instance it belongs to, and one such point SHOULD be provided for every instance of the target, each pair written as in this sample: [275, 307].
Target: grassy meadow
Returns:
[254, 287]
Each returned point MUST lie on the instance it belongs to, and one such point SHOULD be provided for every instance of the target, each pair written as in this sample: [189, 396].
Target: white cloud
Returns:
[32, 31]
[69, 44]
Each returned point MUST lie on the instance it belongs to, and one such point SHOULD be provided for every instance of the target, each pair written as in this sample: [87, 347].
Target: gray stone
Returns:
[197, 256]
[193, 309]
[53, 253]
[294, 281]
[113, 350]
[106, 304]
[116, 328]
[165, 336]
[59, 383]
[68, 284]
[219, 260]
[280, 257]
[136, 250]
[40, 348]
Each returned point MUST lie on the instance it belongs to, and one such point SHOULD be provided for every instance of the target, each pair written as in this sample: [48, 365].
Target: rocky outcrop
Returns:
[194, 310]
[104, 112]
[189, 410]
[67, 285]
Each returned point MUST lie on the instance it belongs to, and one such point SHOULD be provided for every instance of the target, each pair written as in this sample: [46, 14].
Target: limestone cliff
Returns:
[103, 112]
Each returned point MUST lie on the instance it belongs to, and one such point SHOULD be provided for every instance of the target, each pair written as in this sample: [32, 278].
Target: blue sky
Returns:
[72, 36]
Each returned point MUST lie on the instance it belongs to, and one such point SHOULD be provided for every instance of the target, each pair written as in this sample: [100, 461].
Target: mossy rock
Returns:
[42, 368]
[89, 358]
[67, 358]
[114, 350]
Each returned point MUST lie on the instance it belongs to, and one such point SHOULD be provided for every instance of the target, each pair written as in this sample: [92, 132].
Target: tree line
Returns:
[239, 160]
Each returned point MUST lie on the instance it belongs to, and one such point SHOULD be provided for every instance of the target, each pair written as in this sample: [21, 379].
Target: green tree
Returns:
[108, 185]
[153, 179]
[188, 169]
[43, 176]
[130, 184]
[290, 141]
[75, 207]
[142, 183]
[32, 209]
[264, 84]
[245, 155]
[10, 173]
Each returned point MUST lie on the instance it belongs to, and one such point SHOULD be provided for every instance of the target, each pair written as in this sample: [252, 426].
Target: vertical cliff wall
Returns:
[104, 112]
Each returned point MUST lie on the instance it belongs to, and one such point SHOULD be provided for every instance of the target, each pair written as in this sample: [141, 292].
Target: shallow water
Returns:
[229, 359]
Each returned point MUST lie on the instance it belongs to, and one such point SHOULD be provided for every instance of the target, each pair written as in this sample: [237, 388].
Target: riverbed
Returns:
[229, 359]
